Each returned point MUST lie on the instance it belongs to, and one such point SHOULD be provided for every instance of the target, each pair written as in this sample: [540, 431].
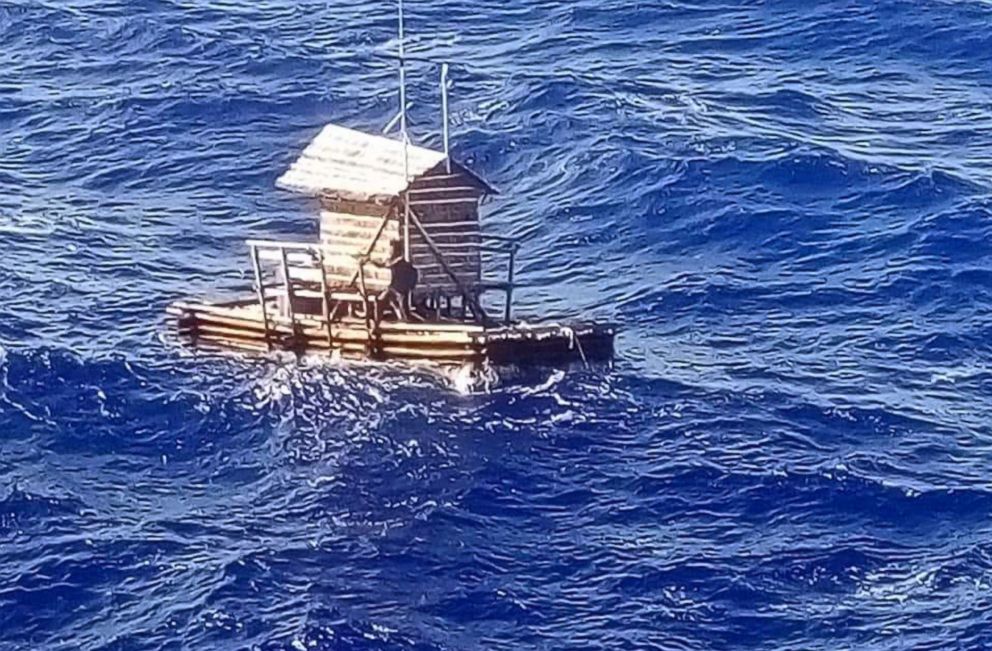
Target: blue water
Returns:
[784, 205]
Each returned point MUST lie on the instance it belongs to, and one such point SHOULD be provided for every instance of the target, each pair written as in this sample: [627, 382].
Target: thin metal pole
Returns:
[444, 114]
[405, 137]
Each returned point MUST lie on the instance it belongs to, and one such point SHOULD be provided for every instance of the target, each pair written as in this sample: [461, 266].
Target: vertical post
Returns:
[444, 115]
[404, 136]
[325, 299]
[376, 320]
[260, 290]
[367, 305]
[289, 291]
[509, 282]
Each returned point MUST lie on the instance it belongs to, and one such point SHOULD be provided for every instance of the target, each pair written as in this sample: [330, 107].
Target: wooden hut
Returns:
[361, 183]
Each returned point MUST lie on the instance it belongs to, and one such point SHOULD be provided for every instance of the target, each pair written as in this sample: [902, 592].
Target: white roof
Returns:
[349, 162]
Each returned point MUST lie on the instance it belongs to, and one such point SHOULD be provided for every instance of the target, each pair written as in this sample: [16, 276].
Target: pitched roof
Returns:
[348, 162]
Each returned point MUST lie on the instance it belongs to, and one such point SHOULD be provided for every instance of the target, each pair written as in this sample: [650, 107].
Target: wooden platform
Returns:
[241, 325]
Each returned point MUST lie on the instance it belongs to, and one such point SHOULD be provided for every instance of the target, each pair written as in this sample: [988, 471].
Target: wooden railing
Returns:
[283, 253]
[296, 258]
[508, 246]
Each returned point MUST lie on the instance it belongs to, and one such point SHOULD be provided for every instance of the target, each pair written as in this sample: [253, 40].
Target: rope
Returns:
[574, 342]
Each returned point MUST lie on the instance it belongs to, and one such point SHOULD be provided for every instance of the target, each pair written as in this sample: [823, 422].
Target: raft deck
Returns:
[244, 325]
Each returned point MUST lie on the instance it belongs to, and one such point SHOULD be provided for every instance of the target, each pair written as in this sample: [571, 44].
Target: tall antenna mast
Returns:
[444, 116]
[406, 140]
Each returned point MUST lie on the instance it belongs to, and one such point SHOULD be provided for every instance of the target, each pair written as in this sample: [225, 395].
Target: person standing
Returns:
[403, 277]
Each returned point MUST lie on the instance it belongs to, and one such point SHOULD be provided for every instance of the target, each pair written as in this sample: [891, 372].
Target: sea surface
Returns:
[785, 206]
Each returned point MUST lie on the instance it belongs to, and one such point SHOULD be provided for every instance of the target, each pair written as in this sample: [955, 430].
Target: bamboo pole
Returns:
[325, 299]
[290, 311]
[444, 115]
[260, 288]
[365, 307]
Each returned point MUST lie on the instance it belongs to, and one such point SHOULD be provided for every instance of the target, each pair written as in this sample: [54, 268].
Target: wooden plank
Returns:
[260, 288]
[417, 353]
[456, 226]
[431, 327]
[443, 195]
[453, 259]
[235, 333]
[419, 189]
[352, 207]
[356, 222]
[438, 176]
[391, 337]
[313, 275]
[253, 317]
[242, 324]
[349, 246]
[438, 279]
[222, 342]
[441, 222]
[443, 202]
[233, 327]
[275, 254]
[361, 221]
[458, 244]
[182, 308]
[458, 175]
[467, 238]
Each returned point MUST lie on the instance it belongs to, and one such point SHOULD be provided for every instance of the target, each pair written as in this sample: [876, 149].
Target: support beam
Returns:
[474, 302]
[509, 283]
[444, 116]
[289, 290]
[260, 289]
[325, 300]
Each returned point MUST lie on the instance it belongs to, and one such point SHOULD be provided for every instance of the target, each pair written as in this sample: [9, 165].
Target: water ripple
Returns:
[785, 208]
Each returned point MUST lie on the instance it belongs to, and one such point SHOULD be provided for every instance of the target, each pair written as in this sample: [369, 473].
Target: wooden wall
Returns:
[346, 229]
[447, 206]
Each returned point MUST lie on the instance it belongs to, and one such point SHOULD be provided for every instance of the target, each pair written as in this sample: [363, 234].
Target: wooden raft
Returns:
[241, 325]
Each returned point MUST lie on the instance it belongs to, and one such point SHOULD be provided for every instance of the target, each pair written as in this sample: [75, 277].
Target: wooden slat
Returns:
[351, 207]
[442, 202]
[416, 189]
[427, 335]
[223, 342]
[340, 276]
[356, 221]
[426, 327]
[454, 258]
[436, 227]
[355, 246]
[458, 244]
[421, 195]
[293, 257]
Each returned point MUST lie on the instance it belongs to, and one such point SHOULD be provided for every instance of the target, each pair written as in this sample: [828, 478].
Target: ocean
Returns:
[784, 206]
